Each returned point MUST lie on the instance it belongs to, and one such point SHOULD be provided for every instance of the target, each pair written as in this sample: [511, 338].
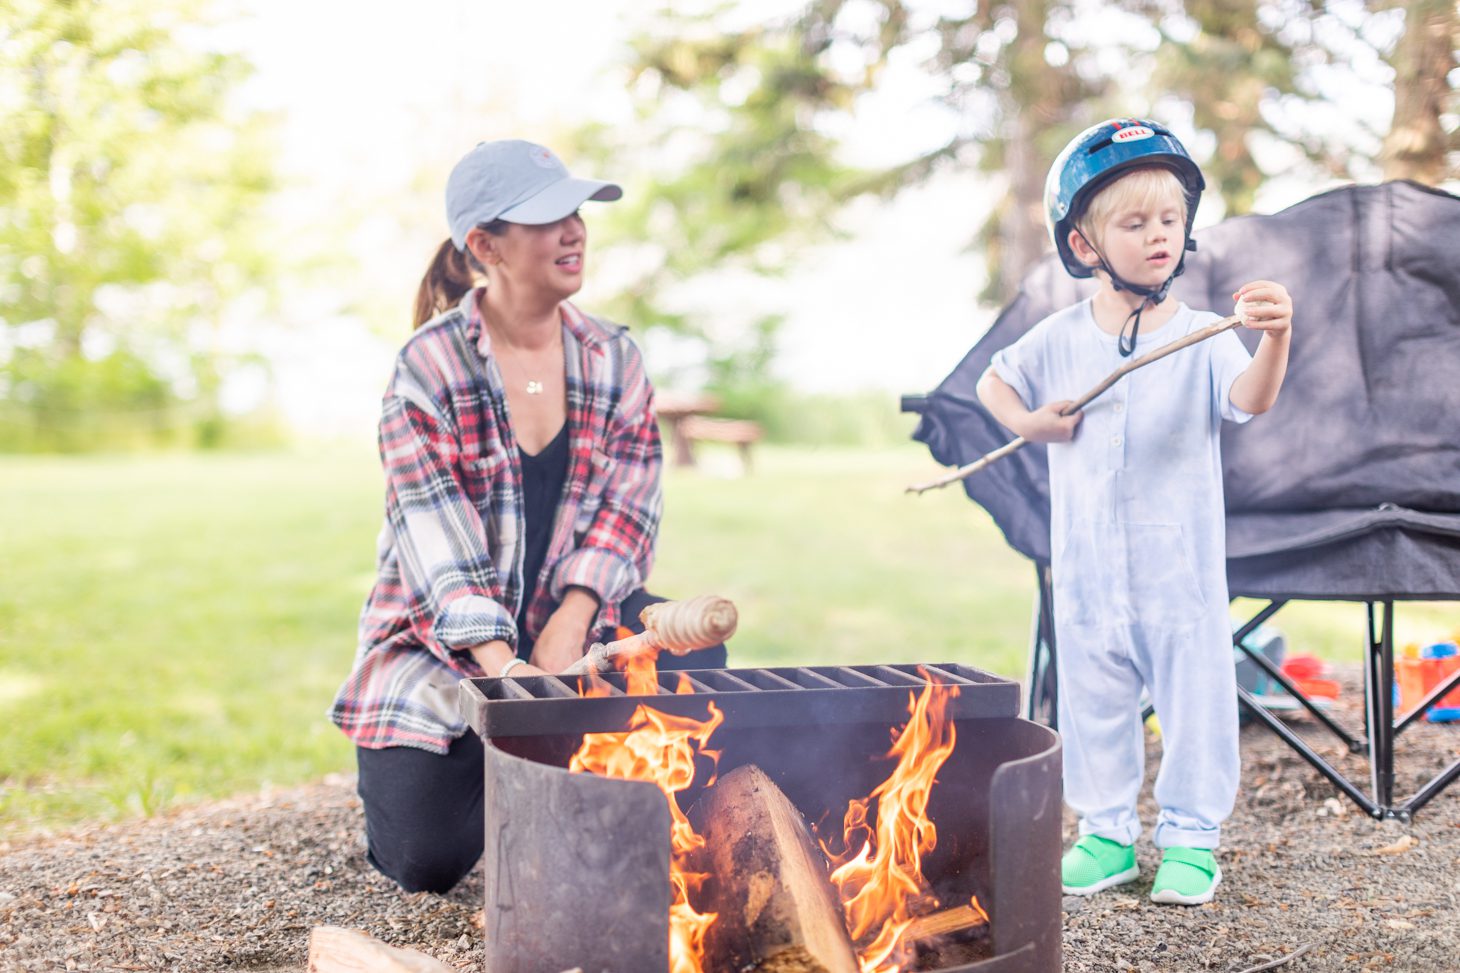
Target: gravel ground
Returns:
[238, 884]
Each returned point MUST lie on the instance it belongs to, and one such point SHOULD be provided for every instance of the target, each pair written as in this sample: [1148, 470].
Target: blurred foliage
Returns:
[1029, 77]
[1225, 60]
[738, 164]
[129, 220]
[1419, 145]
[852, 419]
[1256, 70]
[726, 140]
[730, 172]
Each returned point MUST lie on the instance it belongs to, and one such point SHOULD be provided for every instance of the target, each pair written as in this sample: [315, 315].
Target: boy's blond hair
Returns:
[1141, 188]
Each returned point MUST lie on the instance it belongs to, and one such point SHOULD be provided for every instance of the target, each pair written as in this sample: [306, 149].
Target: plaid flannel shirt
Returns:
[450, 553]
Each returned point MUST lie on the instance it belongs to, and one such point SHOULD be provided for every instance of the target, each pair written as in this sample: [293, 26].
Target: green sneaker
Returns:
[1187, 876]
[1095, 864]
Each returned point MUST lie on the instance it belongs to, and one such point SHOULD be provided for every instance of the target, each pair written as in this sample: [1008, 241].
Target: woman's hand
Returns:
[565, 636]
[492, 656]
[560, 645]
[1265, 306]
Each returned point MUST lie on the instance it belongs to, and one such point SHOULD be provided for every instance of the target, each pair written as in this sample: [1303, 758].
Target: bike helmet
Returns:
[1095, 157]
[1088, 163]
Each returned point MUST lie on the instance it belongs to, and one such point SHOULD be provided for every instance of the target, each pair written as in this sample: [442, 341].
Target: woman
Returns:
[522, 463]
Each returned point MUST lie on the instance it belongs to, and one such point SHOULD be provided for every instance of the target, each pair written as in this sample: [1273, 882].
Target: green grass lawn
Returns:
[174, 627]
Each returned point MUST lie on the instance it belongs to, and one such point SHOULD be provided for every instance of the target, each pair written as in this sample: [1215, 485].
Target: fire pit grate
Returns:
[784, 696]
[577, 866]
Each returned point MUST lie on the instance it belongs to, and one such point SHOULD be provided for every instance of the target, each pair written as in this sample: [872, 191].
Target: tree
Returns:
[742, 166]
[742, 119]
[1042, 83]
[731, 173]
[1227, 60]
[129, 195]
[1418, 147]
[1019, 79]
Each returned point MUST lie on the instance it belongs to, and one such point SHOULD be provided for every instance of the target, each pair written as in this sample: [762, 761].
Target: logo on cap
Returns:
[545, 158]
[1133, 134]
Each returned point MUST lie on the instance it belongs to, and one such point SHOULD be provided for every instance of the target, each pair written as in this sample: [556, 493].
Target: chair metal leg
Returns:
[1379, 693]
[1354, 744]
[1376, 807]
[1300, 746]
[1422, 797]
[1042, 704]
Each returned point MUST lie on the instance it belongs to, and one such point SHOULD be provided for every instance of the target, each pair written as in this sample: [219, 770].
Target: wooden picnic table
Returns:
[689, 417]
[674, 408]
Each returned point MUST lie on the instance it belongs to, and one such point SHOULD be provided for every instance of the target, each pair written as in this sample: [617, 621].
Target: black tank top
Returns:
[543, 476]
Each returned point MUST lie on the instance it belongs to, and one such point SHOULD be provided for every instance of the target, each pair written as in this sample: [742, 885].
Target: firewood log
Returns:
[333, 949]
[776, 909]
[948, 922]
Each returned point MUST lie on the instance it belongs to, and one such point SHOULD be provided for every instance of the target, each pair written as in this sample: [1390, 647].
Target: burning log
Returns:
[679, 627]
[776, 909]
[948, 922]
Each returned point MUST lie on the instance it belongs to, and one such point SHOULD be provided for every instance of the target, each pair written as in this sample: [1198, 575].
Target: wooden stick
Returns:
[1274, 964]
[679, 627]
[1210, 331]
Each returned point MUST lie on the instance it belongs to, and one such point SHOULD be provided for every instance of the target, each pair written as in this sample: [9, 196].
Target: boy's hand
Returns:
[1046, 425]
[1265, 306]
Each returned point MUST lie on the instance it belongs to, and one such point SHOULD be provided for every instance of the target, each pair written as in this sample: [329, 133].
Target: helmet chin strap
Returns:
[1151, 296]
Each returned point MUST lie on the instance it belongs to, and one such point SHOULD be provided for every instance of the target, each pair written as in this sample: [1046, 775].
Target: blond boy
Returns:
[1137, 517]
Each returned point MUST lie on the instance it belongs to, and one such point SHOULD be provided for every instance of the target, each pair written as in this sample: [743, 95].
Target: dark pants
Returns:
[424, 817]
[423, 812]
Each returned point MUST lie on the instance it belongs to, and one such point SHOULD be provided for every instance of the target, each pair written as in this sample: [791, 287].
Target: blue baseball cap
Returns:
[516, 181]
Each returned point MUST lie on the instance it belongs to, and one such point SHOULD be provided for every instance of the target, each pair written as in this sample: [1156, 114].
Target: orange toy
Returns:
[1417, 671]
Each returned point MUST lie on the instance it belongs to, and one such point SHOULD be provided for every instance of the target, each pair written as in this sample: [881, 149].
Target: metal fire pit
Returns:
[577, 866]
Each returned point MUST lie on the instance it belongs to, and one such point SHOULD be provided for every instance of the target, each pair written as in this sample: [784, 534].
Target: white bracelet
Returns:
[509, 665]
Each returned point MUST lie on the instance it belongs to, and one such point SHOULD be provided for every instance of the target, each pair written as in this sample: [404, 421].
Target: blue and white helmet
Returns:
[1099, 154]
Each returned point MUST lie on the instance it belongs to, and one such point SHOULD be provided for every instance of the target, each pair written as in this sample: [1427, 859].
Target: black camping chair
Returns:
[1347, 490]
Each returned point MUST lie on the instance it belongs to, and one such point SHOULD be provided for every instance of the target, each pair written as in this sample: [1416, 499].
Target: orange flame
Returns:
[978, 909]
[882, 883]
[641, 676]
[661, 749]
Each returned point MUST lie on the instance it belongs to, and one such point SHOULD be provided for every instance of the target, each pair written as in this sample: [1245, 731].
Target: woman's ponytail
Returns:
[452, 273]
[447, 280]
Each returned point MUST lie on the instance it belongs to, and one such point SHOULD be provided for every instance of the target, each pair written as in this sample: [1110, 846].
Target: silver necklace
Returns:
[531, 385]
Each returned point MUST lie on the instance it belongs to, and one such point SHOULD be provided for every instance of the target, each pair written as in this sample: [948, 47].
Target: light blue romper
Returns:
[1138, 535]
